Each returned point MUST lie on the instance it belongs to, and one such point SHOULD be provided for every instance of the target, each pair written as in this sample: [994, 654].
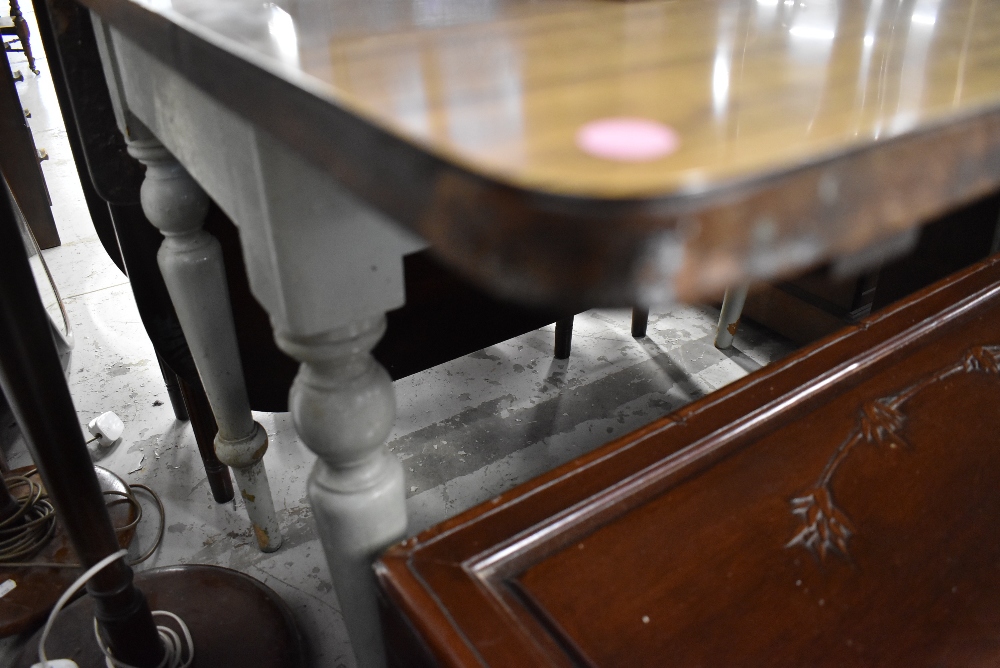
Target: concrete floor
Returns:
[466, 430]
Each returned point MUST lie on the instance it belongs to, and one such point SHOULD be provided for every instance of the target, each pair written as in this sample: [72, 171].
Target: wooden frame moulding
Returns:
[453, 590]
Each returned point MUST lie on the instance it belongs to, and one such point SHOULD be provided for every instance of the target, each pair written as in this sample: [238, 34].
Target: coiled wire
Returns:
[29, 529]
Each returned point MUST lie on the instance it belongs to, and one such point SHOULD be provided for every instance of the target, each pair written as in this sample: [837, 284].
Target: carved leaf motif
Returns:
[880, 420]
[825, 528]
[983, 358]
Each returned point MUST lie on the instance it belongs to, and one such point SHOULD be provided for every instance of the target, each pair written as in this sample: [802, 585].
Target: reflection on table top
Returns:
[502, 87]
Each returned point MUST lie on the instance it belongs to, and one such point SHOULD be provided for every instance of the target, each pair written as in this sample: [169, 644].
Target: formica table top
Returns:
[437, 109]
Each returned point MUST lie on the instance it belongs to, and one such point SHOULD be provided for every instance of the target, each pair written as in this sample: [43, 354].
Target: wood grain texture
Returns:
[807, 130]
[835, 509]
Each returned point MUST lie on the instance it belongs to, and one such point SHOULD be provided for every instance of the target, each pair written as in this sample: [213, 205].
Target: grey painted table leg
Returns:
[343, 406]
[323, 265]
[191, 261]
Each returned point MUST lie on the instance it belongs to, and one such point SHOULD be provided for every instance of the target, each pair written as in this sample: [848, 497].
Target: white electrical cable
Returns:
[173, 655]
[68, 594]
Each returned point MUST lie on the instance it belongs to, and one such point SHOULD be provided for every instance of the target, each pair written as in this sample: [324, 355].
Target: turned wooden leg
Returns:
[640, 318]
[729, 317]
[191, 262]
[564, 338]
[343, 406]
[23, 34]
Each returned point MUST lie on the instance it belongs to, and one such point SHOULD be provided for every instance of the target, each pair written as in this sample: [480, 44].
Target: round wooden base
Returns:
[234, 621]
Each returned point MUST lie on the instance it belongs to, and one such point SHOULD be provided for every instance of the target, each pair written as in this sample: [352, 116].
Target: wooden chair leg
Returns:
[729, 317]
[564, 338]
[171, 380]
[640, 318]
[23, 34]
[205, 429]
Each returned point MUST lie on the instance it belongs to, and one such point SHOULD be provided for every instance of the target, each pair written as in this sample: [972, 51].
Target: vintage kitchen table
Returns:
[553, 150]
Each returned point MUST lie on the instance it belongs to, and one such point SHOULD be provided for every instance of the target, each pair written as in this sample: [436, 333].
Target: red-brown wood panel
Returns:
[839, 508]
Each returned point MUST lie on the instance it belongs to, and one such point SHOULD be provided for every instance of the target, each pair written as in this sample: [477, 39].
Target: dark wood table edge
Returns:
[407, 571]
[538, 246]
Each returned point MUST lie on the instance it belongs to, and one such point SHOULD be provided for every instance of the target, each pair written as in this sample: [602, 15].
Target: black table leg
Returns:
[564, 338]
[640, 318]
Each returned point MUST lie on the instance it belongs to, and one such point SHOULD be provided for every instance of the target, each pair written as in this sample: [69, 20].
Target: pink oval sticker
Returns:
[627, 139]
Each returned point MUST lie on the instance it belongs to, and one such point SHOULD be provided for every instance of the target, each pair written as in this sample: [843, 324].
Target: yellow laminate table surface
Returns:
[502, 86]
[752, 89]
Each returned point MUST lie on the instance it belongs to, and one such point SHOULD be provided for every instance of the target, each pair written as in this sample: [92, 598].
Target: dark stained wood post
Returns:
[33, 382]
[564, 338]
[640, 318]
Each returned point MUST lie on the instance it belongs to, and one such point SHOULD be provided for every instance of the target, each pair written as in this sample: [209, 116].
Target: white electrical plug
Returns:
[58, 663]
[106, 429]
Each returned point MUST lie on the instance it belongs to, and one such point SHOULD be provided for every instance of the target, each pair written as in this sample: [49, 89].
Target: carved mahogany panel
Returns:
[840, 508]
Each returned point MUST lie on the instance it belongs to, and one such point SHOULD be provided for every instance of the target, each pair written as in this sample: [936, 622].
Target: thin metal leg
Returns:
[729, 318]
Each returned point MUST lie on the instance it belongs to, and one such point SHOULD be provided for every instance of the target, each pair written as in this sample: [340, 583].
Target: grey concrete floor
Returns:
[466, 430]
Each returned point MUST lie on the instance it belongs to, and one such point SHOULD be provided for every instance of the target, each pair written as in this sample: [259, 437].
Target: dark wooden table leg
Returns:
[640, 318]
[564, 338]
[32, 380]
[204, 427]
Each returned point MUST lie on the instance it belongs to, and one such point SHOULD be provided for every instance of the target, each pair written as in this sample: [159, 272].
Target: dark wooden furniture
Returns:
[19, 29]
[839, 508]
[19, 164]
[819, 303]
